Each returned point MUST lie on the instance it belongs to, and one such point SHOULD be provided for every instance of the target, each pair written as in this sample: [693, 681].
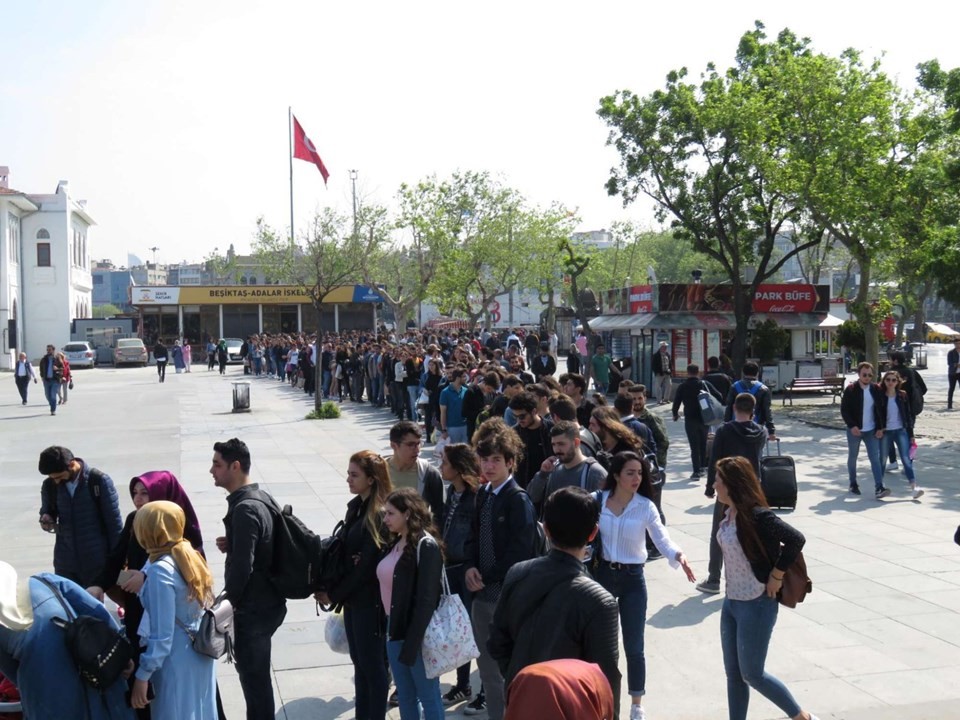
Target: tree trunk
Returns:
[920, 313]
[861, 308]
[317, 369]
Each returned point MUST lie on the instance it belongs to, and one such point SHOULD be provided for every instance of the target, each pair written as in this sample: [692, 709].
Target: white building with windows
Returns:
[45, 279]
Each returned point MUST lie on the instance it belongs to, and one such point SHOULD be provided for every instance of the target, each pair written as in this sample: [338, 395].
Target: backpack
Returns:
[711, 409]
[332, 561]
[295, 567]
[754, 389]
[100, 651]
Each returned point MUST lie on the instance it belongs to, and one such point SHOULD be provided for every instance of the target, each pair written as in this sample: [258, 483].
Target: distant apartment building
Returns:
[45, 273]
[149, 274]
[600, 239]
[111, 285]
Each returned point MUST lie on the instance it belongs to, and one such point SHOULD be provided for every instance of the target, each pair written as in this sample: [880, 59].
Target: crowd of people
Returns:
[542, 511]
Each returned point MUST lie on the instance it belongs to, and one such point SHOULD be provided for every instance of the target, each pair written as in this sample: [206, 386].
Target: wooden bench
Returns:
[832, 385]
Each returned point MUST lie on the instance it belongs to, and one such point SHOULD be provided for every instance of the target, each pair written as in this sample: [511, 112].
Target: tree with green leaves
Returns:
[841, 139]
[327, 256]
[490, 235]
[693, 149]
[106, 310]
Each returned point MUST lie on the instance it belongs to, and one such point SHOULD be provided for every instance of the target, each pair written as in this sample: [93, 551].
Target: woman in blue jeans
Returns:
[409, 574]
[749, 535]
[626, 515]
[899, 428]
[460, 467]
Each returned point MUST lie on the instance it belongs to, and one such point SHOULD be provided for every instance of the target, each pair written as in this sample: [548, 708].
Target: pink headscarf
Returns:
[163, 485]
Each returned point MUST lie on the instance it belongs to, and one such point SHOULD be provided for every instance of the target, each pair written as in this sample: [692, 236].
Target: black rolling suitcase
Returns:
[778, 479]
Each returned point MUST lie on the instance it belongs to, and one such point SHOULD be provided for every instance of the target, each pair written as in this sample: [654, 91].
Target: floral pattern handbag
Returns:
[448, 642]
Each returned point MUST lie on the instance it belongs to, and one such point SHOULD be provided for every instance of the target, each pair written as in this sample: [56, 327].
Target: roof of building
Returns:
[9, 191]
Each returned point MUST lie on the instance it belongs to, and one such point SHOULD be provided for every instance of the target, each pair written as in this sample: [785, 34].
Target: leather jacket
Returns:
[415, 595]
[358, 588]
[851, 406]
[455, 536]
[549, 609]
[903, 404]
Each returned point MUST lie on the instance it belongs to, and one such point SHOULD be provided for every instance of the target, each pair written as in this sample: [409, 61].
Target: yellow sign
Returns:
[244, 295]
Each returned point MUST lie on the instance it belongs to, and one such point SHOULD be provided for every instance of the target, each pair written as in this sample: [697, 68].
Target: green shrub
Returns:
[328, 411]
[770, 341]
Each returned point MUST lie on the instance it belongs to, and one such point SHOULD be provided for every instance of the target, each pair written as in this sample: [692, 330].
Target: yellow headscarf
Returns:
[159, 529]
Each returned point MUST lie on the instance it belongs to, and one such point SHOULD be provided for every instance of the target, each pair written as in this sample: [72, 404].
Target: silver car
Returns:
[130, 351]
[80, 354]
[234, 346]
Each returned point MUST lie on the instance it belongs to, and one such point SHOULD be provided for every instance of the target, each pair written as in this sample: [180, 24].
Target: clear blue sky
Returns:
[169, 117]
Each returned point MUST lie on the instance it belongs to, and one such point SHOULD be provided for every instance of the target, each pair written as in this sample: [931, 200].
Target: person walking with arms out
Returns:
[749, 535]
[626, 515]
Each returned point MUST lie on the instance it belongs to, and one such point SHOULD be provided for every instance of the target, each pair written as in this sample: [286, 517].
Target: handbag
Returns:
[448, 641]
[796, 583]
[70, 385]
[332, 563]
[424, 398]
[335, 633]
[214, 636]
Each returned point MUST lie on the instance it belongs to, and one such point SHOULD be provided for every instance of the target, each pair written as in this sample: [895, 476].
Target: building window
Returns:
[42, 234]
[43, 254]
[13, 237]
[252, 281]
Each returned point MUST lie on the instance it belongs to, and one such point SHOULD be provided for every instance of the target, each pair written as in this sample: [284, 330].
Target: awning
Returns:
[709, 321]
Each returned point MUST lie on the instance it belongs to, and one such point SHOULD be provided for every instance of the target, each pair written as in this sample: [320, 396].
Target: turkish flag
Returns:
[303, 149]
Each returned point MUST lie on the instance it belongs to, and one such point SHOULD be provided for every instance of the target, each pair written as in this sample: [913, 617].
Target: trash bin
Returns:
[241, 396]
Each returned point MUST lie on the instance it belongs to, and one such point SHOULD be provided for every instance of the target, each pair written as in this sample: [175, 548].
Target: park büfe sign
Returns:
[773, 298]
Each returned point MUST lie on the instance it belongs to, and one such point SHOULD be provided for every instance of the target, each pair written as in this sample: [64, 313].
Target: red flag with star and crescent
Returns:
[304, 149]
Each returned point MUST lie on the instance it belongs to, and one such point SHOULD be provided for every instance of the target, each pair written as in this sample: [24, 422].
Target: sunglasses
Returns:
[891, 380]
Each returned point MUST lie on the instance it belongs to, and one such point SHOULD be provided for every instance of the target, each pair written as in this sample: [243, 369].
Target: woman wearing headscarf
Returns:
[178, 586]
[33, 653]
[177, 353]
[565, 689]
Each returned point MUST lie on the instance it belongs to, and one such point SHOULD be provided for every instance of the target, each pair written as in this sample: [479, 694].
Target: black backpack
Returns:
[332, 562]
[295, 568]
[100, 651]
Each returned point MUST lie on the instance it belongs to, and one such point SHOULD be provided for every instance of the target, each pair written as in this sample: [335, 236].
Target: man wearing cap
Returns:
[78, 503]
[662, 375]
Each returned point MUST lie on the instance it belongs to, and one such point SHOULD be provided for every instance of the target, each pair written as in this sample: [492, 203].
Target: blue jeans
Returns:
[369, 664]
[414, 689]
[458, 434]
[51, 391]
[899, 438]
[326, 379]
[413, 392]
[873, 454]
[375, 388]
[745, 629]
[630, 589]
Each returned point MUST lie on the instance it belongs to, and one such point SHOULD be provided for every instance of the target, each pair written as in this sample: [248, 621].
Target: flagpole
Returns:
[290, 159]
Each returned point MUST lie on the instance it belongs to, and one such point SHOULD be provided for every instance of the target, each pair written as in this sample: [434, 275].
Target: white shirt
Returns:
[894, 421]
[23, 368]
[292, 357]
[742, 584]
[623, 538]
[867, 423]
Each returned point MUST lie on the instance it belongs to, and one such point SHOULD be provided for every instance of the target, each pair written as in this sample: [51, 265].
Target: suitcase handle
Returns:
[767, 447]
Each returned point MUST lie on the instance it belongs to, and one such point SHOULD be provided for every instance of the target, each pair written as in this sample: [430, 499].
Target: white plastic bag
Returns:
[335, 633]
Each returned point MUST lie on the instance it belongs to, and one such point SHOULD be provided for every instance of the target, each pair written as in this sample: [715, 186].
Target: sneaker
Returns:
[710, 587]
[892, 467]
[710, 493]
[457, 694]
[917, 492]
[855, 489]
[694, 477]
[394, 701]
[479, 705]
[637, 713]
[882, 493]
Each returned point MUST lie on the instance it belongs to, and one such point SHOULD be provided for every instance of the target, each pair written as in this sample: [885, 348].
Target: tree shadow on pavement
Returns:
[691, 611]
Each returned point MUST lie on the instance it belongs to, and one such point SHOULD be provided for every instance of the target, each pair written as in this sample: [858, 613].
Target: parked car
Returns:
[129, 351]
[233, 350]
[80, 354]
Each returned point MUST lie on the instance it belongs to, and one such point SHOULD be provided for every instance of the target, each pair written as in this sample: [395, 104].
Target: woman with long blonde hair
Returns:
[178, 586]
[357, 590]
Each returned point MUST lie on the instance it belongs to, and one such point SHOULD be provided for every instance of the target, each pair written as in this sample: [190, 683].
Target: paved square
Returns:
[879, 637]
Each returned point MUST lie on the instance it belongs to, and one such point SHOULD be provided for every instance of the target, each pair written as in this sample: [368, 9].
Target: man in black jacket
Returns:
[740, 437]
[504, 534]
[550, 608]
[258, 607]
[544, 363]
[688, 394]
[716, 377]
[953, 371]
[860, 409]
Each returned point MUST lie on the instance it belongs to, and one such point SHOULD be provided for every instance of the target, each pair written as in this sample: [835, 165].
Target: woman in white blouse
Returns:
[626, 515]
